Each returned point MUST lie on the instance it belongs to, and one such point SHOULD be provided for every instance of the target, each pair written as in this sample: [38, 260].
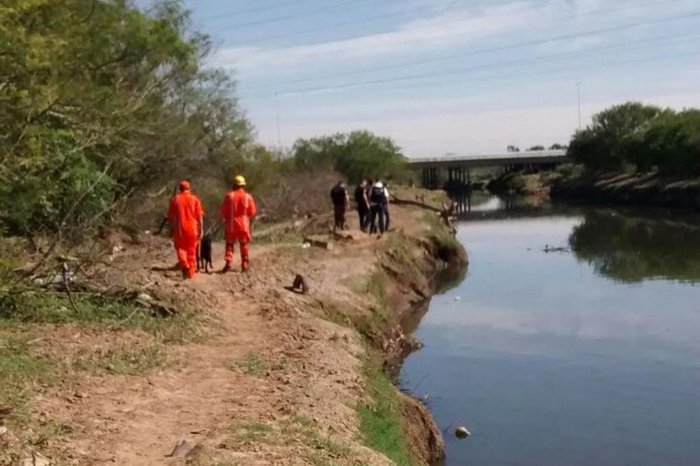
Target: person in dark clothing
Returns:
[377, 201]
[339, 197]
[362, 204]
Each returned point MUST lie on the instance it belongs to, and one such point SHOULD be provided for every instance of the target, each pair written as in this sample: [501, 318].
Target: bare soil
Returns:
[278, 376]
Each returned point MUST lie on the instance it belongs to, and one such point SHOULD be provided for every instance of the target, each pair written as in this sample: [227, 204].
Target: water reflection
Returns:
[572, 358]
[479, 205]
[631, 248]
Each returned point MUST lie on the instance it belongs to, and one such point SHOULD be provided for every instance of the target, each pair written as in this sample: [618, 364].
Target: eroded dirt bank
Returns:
[629, 189]
[272, 377]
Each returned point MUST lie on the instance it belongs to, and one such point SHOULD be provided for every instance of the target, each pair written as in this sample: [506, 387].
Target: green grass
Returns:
[447, 246]
[281, 237]
[125, 360]
[96, 312]
[19, 372]
[250, 364]
[381, 420]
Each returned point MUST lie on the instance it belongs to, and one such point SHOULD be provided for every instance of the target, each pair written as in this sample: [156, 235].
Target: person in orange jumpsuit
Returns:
[185, 216]
[237, 211]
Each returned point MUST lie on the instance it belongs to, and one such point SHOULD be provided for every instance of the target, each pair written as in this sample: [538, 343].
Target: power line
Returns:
[497, 48]
[454, 72]
[298, 14]
[251, 10]
[373, 19]
[636, 43]
[380, 17]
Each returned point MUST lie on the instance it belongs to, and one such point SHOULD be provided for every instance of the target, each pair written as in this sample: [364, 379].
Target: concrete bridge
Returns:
[459, 168]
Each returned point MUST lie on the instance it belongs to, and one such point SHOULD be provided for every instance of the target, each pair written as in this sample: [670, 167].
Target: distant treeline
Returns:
[101, 102]
[643, 137]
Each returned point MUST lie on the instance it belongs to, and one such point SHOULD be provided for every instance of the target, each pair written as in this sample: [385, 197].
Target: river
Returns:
[574, 339]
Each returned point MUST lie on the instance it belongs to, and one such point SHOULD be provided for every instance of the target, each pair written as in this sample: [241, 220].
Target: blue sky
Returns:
[450, 76]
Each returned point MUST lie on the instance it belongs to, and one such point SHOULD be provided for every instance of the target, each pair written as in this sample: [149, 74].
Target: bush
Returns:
[100, 99]
[356, 155]
[646, 137]
[609, 142]
[673, 143]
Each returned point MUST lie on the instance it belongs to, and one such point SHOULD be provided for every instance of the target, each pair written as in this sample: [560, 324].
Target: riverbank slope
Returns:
[252, 373]
[628, 189]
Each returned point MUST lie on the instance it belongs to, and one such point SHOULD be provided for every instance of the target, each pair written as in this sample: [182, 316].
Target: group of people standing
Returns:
[372, 201]
[186, 216]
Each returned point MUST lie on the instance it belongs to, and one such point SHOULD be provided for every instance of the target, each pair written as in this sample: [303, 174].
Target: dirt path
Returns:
[278, 384]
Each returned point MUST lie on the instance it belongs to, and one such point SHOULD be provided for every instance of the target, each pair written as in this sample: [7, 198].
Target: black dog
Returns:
[204, 254]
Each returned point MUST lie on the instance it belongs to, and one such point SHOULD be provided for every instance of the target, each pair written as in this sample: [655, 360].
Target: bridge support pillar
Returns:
[430, 177]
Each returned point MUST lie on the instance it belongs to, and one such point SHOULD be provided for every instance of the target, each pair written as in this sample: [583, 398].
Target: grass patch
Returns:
[377, 284]
[281, 237]
[369, 321]
[251, 432]
[250, 364]
[125, 360]
[297, 430]
[446, 245]
[97, 312]
[381, 419]
[19, 371]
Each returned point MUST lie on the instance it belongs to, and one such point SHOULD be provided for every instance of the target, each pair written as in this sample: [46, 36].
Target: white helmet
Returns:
[378, 184]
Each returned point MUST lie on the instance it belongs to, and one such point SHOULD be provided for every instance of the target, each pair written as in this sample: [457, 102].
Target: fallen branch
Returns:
[64, 275]
[422, 205]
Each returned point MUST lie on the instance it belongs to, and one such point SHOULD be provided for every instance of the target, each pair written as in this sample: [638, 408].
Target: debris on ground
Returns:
[185, 449]
[319, 242]
[300, 285]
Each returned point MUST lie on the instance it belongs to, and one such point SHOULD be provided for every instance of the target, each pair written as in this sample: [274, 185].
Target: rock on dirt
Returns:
[185, 449]
[35, 459]
[319, 242]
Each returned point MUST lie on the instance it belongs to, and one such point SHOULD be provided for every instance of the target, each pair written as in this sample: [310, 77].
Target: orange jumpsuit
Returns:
[237, 210]
[185, 216]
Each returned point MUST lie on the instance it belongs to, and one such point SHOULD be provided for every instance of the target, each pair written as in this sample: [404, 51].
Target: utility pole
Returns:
[277, 112]
[578, 88]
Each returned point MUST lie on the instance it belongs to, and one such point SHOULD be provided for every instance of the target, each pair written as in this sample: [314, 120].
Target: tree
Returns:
[535, 148]
[672, 143]
[100, 99]
[608, 142]
[557, 146]
[513, 149]
[356, 155]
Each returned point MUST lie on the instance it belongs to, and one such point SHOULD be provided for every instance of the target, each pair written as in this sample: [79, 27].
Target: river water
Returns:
[585, 355]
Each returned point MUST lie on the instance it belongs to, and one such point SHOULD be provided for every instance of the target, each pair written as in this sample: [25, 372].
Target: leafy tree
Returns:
[672, 144]
[557, 146]
[608, 142]
[356, 155]
[98, 100]
[535, 148]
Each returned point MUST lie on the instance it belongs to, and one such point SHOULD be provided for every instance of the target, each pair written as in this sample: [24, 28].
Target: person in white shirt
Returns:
[377, 205]
[387, 218]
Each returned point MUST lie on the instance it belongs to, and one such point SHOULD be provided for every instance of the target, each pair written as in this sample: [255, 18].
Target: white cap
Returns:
[378, 184]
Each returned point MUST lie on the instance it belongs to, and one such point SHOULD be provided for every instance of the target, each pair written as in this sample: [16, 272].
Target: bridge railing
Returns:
[543, 154]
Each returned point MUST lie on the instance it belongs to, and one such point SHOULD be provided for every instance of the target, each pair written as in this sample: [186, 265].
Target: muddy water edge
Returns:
[434, 264]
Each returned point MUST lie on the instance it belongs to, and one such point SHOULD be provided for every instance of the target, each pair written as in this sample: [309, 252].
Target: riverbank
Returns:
[534, 185]
[629, 189]
[245, 370]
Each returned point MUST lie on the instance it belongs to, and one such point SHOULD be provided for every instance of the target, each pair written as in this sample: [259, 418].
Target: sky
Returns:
[450, 76]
